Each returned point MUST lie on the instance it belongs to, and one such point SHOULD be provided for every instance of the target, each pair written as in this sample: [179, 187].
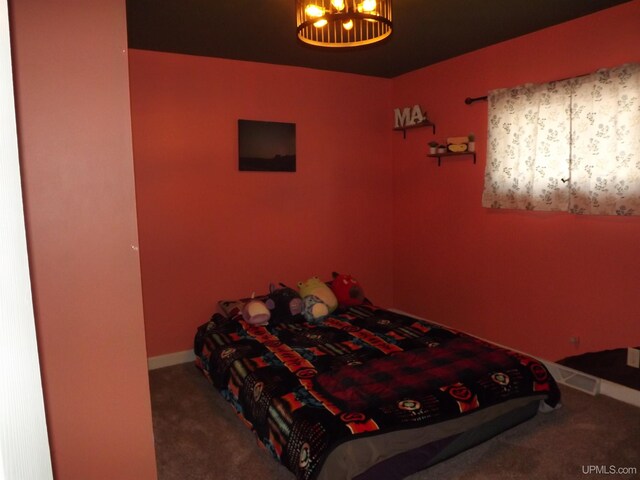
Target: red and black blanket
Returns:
[305, 387]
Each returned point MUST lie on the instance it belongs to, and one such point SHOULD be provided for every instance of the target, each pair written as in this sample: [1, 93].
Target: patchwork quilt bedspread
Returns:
[304, 388]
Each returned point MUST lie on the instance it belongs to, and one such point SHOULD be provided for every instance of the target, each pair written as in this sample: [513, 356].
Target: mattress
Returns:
[367, 389]
[393, 456]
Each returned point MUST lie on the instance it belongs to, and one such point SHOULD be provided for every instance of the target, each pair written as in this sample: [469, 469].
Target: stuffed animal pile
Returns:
[314, 299]
[280, 305]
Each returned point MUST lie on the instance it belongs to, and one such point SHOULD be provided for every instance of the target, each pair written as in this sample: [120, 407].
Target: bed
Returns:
[367, 393]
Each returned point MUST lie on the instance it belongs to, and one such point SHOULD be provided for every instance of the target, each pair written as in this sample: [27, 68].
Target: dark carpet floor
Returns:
[199, 437]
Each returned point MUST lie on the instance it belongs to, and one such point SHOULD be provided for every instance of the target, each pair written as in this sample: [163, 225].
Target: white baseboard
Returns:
[170, 359]
[620, 392]
[567, 376]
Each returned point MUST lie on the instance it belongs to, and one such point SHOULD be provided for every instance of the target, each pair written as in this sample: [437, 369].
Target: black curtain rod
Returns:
[470, 100]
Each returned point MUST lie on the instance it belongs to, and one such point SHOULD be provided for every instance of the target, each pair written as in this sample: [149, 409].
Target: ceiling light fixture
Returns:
[343, 23]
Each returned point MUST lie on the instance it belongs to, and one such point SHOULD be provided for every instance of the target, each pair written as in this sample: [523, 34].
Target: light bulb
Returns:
[314, 10]
[320, 23]
[369, 5]
[338, 4]
[348, 25]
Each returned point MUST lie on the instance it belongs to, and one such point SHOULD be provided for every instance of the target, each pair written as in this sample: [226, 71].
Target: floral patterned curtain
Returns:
[605, 161]
[571, 145]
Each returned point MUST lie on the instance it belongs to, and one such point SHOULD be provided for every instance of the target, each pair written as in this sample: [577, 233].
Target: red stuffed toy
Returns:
[347, 290]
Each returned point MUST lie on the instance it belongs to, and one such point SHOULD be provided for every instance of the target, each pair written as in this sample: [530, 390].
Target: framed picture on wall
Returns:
[266, 146]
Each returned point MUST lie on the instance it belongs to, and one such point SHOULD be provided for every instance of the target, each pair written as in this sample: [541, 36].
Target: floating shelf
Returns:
[451, 154]
[426, 123]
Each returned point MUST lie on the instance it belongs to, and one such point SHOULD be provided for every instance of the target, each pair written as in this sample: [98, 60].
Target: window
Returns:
[571, 145]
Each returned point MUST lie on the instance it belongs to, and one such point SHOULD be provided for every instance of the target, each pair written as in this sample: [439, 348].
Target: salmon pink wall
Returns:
[505, 275]
[70, 66]
[209, 231]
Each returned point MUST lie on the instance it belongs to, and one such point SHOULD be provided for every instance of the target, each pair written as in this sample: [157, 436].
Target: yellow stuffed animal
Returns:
[315, 286]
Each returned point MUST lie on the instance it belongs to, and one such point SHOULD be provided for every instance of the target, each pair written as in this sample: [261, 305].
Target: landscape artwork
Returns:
[267, 146]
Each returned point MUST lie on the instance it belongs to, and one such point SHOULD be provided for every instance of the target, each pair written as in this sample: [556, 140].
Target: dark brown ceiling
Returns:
[425, 31]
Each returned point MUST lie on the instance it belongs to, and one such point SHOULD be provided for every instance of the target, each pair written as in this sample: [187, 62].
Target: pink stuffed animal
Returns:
[256, 312]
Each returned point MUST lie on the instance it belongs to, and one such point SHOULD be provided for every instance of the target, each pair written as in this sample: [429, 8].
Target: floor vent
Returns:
[575, 379]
